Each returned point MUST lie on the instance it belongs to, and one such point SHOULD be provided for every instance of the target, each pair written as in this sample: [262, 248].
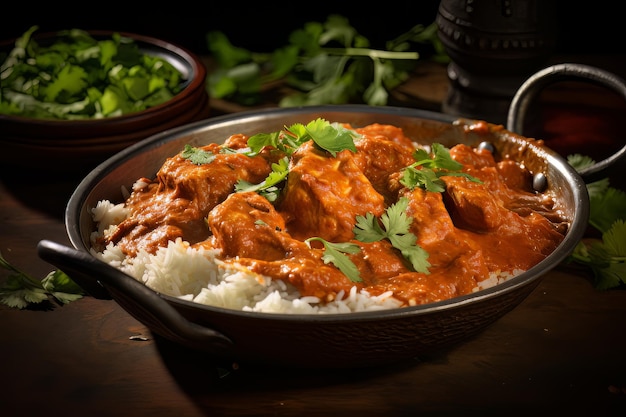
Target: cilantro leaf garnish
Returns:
[441, 158]
[425, 178]
[431, 169]
[21, 290]
[196, 155]
[335, 253]
[330, 137]
[260, 140]
[395, 228]
[268, 187]
[81, 77]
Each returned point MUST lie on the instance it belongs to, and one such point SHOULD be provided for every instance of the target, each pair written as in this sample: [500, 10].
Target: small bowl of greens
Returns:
[71, 99]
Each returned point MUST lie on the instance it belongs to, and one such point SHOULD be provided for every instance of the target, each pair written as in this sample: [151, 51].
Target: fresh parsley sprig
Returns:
[606, 256]
[331, 137]
[21, 290]
[335, 253]
[197, 156]
[268, 188]
[431, 169]
[395, 228]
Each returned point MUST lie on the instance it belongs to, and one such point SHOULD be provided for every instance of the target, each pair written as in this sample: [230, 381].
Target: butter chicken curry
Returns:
[327, 207]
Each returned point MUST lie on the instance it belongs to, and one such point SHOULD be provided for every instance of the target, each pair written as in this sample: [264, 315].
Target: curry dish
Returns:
[487, 222]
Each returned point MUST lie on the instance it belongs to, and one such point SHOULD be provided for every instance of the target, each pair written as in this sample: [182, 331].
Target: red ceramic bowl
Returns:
[77, 146]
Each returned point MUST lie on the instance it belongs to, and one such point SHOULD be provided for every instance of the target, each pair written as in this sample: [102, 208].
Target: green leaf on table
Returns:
[58, 284]
[606, 257]
[606, 208]
[18, 293]
[579, 162]
[21, 290]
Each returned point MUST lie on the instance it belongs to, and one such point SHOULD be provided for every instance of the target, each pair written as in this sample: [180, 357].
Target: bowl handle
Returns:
[531, 88]
[137, 299]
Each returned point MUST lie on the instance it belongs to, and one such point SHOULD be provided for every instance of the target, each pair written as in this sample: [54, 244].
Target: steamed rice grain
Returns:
[197, 274]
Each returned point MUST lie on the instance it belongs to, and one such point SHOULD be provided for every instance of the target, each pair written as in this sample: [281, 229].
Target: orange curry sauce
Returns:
[470, 231]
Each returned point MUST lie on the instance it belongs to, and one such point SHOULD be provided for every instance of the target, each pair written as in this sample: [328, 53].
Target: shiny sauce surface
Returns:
[471, 231]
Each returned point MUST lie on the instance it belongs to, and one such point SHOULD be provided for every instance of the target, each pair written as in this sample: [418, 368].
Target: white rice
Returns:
[196, 274]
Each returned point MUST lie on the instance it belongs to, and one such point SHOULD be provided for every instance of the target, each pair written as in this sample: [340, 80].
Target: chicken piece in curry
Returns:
[487, 221]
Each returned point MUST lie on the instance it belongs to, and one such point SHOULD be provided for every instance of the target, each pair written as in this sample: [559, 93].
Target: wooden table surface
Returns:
[562, 350]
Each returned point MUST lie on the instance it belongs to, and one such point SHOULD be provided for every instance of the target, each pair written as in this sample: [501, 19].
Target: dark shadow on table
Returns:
[215, 386]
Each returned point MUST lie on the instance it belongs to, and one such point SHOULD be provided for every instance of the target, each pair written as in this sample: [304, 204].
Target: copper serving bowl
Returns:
[70, 146]
[328, 340]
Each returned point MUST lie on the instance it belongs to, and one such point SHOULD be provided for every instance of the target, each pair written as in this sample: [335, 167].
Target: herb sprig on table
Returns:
[324, 63]
[21, 289]
[604, 256]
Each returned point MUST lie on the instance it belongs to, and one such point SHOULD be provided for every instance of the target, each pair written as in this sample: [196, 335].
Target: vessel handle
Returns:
[530, 89]
[137, 299]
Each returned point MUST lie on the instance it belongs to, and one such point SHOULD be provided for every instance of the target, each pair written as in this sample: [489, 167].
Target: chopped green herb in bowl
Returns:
[73, 98]
[78, 76]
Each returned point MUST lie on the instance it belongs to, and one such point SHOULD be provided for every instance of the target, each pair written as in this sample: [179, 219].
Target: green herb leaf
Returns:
[326, 63]
[607, 208]
[21, 290]
[196, 155]
[60, 286]
[395, 228]
[331, 137]
[260, 140]
[579, 162]
[431, 169]
[79, 77]
[268, 187]
[607, 204]
[424, 178]
[334, 253]
[606, 258]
